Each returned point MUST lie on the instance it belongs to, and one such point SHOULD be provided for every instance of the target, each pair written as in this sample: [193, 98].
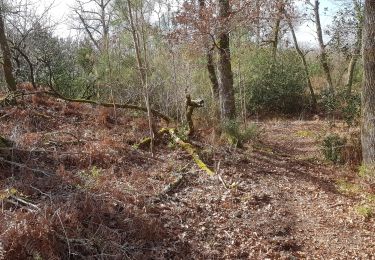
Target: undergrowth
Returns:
[238, 135]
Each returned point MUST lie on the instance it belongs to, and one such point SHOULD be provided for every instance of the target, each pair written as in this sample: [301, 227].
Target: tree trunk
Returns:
[226, 90]
[212, 75]
[142, 67]
[257, 6]
[211, 68]
[7, 64]
[276, 29]
[323, 53]
[302, 56]
[30, 64]
[357, 49]
[368, 94]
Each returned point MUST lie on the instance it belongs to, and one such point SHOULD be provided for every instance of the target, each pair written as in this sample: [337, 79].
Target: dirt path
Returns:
[285, 204]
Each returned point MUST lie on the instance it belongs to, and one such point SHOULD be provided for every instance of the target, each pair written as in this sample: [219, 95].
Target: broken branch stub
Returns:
[190, 106]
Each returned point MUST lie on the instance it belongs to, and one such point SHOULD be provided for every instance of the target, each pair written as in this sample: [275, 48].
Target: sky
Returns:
[305, 32]
[60, 14]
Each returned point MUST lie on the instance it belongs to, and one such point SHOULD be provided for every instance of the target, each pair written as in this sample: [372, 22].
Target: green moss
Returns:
[346, 187]
[202, 165]
[305, 134]
[147, 140]
[191, 151]
[366, 171]
[90, 177]
[365, 210]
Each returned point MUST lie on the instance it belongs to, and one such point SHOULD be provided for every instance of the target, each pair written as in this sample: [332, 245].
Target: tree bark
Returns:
[226, 90]
[190, 105]
[322, 47]
[212, 74]
[368, 93]
[257, 6]
[306, 68]
[211, 68]
[357, 48]
[7, 64]
[276, 29]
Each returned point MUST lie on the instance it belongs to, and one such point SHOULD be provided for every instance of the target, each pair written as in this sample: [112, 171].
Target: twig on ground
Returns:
[219, 176]
[24, 167]
[66, 235]
[23, 203]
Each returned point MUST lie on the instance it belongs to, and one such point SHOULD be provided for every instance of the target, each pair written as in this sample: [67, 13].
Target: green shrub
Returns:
[351, 109]
[328, 102]
[332, 148]
[342, 106]
[276, 86]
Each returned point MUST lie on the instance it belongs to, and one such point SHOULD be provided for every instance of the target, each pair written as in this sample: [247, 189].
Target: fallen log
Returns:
[56, 94]
[189, 148]
[117, 105]
[172, 186]
[145, 142]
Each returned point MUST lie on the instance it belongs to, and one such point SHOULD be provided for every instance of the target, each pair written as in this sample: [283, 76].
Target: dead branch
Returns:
[220, 177]
[173, 185]
[23, 203]
[23, 166]
[103, 104]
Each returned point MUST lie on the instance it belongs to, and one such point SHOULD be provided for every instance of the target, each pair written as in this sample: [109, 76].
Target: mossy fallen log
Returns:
[146, 142]
[189, 148]
[104, 104]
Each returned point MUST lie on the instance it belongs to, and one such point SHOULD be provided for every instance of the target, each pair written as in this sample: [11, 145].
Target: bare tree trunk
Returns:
[368, 94]
[7, 64]
[323, 53]
[211, 68]
[276, 29]
[142, 67]
[30, 64]
[257, 6]
[302, 56]
[226, 90]
[212, 74]
[357, 49]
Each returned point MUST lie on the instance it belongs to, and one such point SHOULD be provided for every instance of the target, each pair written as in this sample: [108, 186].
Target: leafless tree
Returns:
[94, 17]
[322, 46]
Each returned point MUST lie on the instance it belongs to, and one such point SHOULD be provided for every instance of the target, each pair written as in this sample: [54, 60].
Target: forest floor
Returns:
[74, 187]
